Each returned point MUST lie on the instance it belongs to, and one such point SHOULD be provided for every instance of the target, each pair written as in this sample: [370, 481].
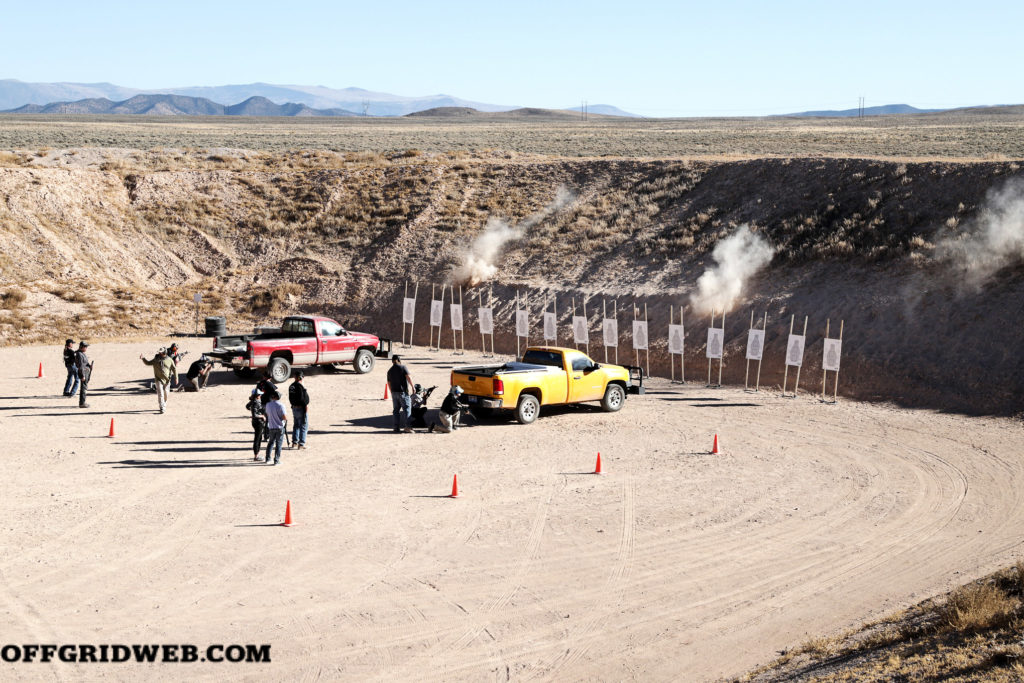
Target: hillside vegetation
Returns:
[115, 244]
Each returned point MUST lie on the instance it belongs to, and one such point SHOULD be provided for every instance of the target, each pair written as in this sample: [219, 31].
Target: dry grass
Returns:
[70, 294]
[937, 136]
[971, 634]
[12, 299]
[275, 299]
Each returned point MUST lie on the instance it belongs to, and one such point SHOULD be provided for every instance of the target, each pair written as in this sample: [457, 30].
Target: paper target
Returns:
[830, 356]
[610, 329]
[486, 317]
[522, 324]
[640, 335]
[675, 339]
[714, 349]
[549, 327]
[436, 313]
[456, 311]
[795, 350]
[755, 344]
[408, 310]
[579, 329]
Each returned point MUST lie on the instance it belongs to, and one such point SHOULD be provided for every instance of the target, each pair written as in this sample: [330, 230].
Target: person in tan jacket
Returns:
[164, 372]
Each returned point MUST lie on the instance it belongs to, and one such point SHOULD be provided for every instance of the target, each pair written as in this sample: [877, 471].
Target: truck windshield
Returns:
[539, 357]
[298, 327]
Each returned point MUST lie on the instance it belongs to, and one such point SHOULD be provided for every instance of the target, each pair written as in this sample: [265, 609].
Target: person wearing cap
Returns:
[164, 372]
[84, 367]
[70, 386]
[400, 383]
[277, 422]
[450, 413]
[258, 420]
[298, 397]
[197, 376]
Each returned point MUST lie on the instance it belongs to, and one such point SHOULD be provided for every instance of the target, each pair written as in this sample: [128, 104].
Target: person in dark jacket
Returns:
[197, 376]
[259, 421]
[70, 386]
[400, 382]
[419, 405]
[84, 367]
[450, 413]
[298, 397]
[266, 387]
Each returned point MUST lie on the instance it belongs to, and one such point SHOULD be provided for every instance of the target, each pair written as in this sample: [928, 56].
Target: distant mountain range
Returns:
[605, 110]
[178, 105]
[253, 99]
[15, 94]
[882, 110]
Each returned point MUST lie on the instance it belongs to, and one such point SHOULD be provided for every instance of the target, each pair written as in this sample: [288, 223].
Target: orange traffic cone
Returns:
[455, 486]
[40, 375]
[287, 514]
[597, 468]
[111, 434]
[385, 392]
[714, 449]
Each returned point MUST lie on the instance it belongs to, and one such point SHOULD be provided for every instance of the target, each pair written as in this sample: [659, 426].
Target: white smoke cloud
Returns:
[738, 257]
[478, 263]
[994, 239]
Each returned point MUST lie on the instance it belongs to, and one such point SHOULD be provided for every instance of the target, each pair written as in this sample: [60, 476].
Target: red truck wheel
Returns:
[280, 370]
[363, 362]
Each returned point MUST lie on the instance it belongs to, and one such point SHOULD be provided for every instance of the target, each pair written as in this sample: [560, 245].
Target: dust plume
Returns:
[478, 263]
[993, 240]
[738, 257]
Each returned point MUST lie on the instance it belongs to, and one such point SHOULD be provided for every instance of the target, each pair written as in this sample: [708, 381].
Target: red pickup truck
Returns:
[301, 340]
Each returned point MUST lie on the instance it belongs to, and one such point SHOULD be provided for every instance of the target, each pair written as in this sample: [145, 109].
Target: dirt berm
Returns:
[922, 261]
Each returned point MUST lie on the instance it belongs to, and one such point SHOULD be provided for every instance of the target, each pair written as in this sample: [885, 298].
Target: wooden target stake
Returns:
[764, 329]
[801, 366]
[517, 323]
[824, 372]
[835, 393]
[587, 343]
[722, 359]
[647, 351]
[604, 316]
[746, 377]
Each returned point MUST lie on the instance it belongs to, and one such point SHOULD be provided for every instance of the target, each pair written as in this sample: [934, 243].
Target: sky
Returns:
[651, 58]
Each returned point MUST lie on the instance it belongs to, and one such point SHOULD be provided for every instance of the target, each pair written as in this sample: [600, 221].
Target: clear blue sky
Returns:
[651, 58]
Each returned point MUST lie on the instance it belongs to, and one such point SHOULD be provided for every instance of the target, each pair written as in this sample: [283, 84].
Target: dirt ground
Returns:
[673, 565]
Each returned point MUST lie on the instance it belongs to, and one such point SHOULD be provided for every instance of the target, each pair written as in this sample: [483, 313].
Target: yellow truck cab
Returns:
[547, 375]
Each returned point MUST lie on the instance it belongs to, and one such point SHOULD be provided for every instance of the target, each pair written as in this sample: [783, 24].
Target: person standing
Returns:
[164, 371]
[400, 383]
[298, 397]
[84, 367]
[70, 386]
[277, 422]
[259, 422]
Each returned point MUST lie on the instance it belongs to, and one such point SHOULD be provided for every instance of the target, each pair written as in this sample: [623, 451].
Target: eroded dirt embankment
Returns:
[87, 252]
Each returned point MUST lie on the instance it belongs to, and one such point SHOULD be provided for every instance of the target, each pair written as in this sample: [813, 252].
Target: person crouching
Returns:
[450, 413]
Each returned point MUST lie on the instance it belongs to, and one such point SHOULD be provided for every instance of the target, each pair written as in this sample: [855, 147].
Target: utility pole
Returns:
[860, 107]
[366, 107]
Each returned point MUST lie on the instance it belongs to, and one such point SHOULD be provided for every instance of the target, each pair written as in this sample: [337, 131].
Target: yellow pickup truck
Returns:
[547, 375]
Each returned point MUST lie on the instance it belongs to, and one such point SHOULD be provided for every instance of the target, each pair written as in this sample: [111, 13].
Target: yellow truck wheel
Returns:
[527, 409]
[614, 397]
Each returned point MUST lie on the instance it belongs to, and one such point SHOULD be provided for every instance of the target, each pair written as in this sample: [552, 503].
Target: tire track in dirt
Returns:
[579, 640]
[456, 640]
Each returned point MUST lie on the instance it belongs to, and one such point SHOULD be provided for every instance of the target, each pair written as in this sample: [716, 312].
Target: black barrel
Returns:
[216, 326]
